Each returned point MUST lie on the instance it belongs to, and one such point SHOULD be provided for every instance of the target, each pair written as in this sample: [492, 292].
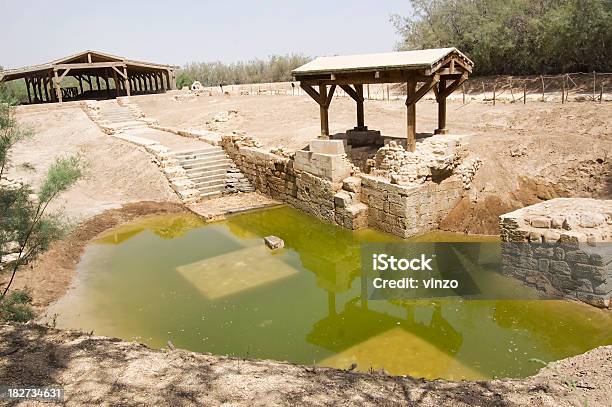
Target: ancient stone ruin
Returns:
[562, 247]
[405, 193]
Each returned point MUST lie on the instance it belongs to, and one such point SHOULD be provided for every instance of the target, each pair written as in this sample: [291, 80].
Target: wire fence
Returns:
[577, 86]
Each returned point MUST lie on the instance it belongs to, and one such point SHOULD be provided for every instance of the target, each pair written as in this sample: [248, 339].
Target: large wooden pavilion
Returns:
[106, 76]
[442, 70]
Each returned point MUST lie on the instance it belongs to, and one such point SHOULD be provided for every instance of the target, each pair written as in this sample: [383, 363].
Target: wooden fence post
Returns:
[562, 90]
[601, 92]
[463, 90]
[543, 93]
[525, 93]
[594, 86]
[388, 94]
[368, 89]
[494, 86]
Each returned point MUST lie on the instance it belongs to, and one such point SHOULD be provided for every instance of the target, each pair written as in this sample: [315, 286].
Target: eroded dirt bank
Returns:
[103, 371]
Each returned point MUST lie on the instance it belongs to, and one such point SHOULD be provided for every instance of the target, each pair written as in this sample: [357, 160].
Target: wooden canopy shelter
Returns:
[105, 75]
[441, 69]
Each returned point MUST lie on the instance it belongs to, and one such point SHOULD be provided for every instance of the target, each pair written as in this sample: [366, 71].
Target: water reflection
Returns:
[215, 288]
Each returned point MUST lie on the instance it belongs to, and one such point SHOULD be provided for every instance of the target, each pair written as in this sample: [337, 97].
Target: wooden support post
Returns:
[106, 82]
[411, 116]
[463, 90]
[594, 86]
[81, 84]
[368, 87]
[494, 89]
[58, 88]
[562, 90]
[116, 82]
[543, 92]
[601, 92]
[98, 81]
[324, 111]
[442, 108]
[126, 80]
[44, 84]
[359, 101]
[524, 93]
[27, 81]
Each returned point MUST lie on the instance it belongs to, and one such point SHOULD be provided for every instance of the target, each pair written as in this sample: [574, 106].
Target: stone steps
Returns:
[210, 171]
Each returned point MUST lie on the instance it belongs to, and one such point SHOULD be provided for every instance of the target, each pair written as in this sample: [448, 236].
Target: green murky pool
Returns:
[216, 288]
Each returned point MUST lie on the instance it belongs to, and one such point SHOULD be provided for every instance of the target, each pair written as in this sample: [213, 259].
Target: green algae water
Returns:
[216, 288]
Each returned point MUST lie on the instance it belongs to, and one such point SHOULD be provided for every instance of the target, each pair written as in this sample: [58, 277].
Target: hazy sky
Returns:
[178, 31]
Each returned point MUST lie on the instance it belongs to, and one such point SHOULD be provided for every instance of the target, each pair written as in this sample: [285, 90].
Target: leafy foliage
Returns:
[515, 36]
[274, 69]
[16, 307]
[25, 227]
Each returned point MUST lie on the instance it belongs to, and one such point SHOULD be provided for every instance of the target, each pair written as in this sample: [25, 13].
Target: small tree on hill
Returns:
[26, 229]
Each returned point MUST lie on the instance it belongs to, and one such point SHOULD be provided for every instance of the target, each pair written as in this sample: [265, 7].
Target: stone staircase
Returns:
[194, 174]
[211, 171]
[114, 118]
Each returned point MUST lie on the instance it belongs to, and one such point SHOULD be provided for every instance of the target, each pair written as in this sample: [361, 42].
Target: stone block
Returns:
[352, 184]
[333, 147]
[342, 199]
[274, 242]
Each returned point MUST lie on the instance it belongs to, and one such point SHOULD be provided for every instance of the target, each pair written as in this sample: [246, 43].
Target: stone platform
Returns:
[562, 247]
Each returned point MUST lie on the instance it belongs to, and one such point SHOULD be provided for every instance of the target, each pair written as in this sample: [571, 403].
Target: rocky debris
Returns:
[238, 139]
[562, 247]
[222, 117]
[434, 159]
[517, 151]
[274, 242]
[282, 151]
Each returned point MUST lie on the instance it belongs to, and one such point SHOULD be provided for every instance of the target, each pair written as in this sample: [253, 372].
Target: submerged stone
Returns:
[274, 242]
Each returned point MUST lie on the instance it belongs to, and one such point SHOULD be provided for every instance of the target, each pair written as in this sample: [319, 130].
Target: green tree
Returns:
[26, 229]
[514, 36]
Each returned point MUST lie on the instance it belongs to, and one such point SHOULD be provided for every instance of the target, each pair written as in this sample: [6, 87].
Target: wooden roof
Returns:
[83, 60]
[425, 61]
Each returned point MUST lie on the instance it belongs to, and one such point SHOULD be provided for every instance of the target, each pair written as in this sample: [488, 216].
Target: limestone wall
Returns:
[323, 183]
[407, 210]
[562, 247]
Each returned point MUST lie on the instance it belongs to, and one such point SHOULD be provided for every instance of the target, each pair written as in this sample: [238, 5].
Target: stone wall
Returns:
[322, 182]
[562, 247]
[408, 210]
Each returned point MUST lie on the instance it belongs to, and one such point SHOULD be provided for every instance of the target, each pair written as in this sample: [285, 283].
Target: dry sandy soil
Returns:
[108, 372]
[116, 172]
[530, 152]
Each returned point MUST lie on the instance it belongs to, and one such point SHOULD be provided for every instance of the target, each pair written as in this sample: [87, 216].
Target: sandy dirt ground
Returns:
[116, 172]
[109, 372]
[529, 152]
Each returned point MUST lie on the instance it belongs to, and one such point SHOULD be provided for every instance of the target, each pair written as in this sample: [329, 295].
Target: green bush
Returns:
[16, 307]
[515, 36]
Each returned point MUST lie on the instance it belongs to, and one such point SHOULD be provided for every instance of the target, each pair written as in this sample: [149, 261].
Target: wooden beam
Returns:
[426, 87]
[411, 116]
[441, 108]
[323, 110]
[118, 71]
[311, 92]
[58, 89]
[27, 81]
[126, 81]
[116, 82]
[330, 96]
[359, 101]
[350, 91]
[453, 86]
[95, 65]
